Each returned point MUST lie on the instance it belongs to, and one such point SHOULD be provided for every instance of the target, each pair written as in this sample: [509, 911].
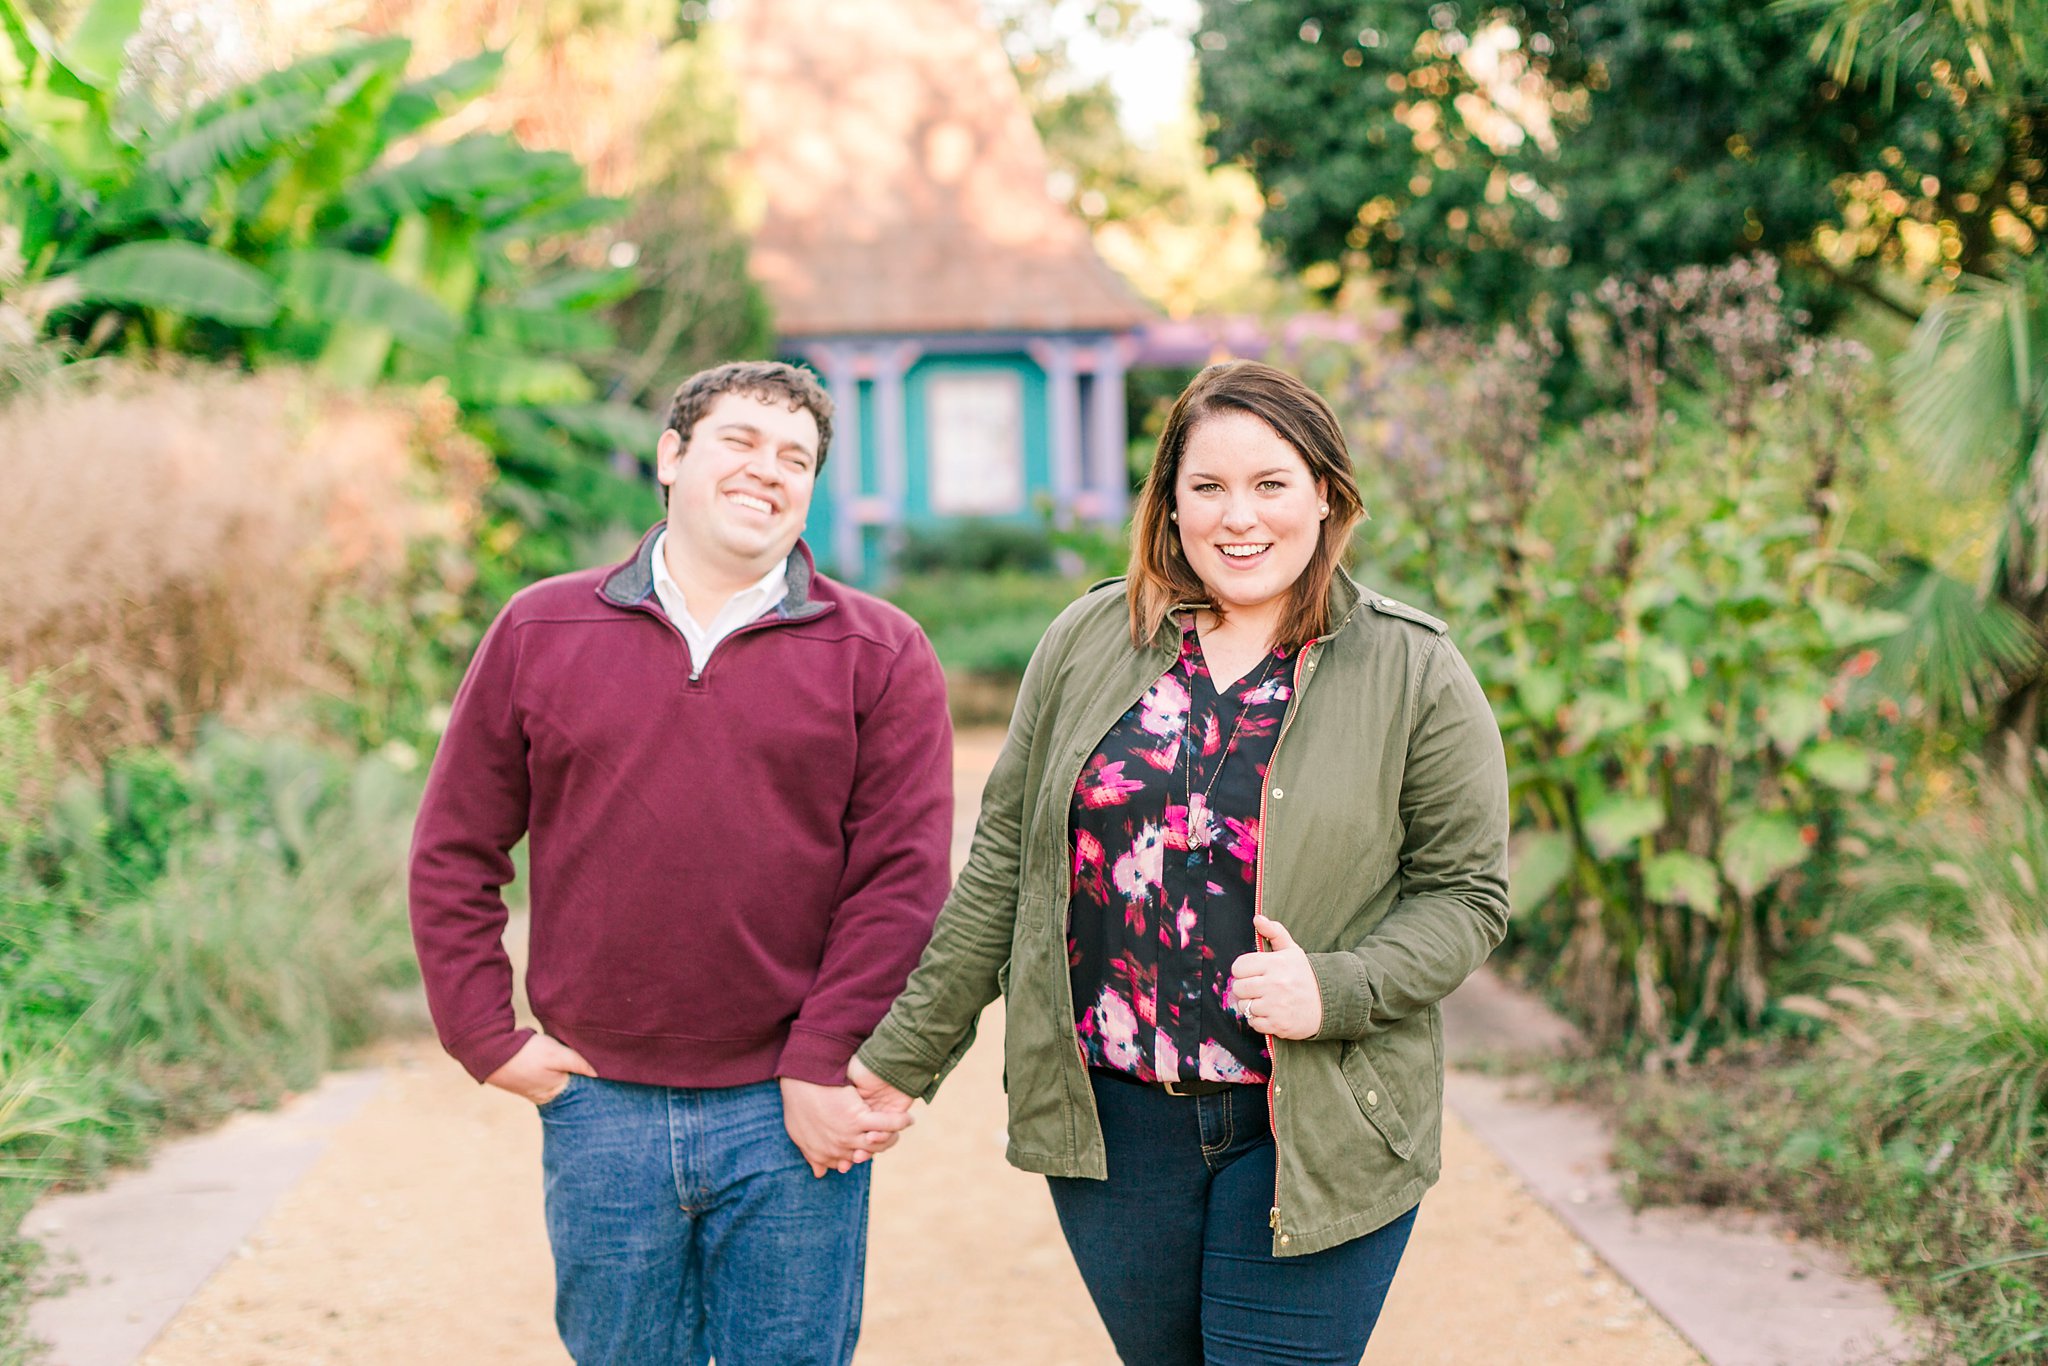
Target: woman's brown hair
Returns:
[1160, 576]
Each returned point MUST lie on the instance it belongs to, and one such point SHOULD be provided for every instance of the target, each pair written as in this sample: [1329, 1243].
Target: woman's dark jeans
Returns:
[1176, 1247]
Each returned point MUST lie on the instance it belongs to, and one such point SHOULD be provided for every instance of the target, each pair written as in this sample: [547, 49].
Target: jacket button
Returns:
[1278, 794]
[1286, 1238]
[1372, 1097]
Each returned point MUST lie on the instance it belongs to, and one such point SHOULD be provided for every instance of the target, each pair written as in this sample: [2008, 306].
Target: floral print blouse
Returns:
[1157, 917]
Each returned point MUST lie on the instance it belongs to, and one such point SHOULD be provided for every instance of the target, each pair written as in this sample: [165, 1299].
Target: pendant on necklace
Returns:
[1201, 824]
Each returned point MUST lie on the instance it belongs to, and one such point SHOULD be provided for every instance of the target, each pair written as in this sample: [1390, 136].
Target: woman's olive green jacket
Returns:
[1384, 853]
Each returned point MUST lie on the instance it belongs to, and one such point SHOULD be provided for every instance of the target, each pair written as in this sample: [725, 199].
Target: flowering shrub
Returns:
[1661, 607]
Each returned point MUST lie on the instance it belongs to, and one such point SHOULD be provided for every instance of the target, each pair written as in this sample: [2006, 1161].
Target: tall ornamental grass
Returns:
[182, 542]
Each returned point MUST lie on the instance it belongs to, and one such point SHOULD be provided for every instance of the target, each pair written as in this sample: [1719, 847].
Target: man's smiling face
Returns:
[739, 490]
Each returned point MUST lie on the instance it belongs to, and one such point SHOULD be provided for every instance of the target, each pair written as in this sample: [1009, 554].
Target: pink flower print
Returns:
[1088, 867]
[1185, 922]
[1165, 759]
[1163, 711]
[1212, 735]
[1255, 725]
[1244, 841]
[1274, 689]
[1141, 872]
[1141, 986]
[1176, 826]
[1117, 1030]
[1165, 1058]
[1103, 784]
[1218, 1065]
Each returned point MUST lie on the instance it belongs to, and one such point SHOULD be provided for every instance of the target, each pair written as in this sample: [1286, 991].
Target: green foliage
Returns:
[277, 219]
[292, 218]
[1490, 158]
[1915, 1128]
[1662, 606]
[1956, 1239]
[179, 936]
[555, 508]
[979, 546]
[697, 305]
[985, 623]
[1973, 399]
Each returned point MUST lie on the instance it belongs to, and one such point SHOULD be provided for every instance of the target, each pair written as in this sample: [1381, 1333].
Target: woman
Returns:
[1249, 826]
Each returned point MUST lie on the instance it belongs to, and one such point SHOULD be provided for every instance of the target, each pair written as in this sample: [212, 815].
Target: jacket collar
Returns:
[632, 583]
[1345, 597]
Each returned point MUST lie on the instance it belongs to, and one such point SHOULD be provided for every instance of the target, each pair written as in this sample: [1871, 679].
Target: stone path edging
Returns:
[1741, 1289]
[143, 1244]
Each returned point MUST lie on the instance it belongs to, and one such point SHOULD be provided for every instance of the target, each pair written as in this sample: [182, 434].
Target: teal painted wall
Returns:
[823, 520]
[917, 509]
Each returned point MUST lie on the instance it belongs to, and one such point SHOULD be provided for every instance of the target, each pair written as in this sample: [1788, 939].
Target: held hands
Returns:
[879, 1094]
[1276, 990]
[834, 1127]
[540, 1069]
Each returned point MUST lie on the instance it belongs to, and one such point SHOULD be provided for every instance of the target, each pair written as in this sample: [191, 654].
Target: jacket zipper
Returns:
[698, 667]
[1304, 663]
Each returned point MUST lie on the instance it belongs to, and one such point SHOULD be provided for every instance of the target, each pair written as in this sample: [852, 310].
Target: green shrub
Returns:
[1940, 1013]
[1661, 607]
[986, 624]
[184, 936]
[975, 546]
[1792, 1131]
[1914, 1128]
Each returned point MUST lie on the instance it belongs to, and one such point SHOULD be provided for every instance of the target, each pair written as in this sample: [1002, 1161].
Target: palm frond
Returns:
[95, 48]
[607, 426]
[324, 71]
[463, 174]
[182, 277]
[1891, 40]
[578, 214]
[335, 286]
[420, 102]
[546, 330]
[236, 137]
[485, 374]
[1971, 380]
[579, 289]
[1959, 653]
[34, 57]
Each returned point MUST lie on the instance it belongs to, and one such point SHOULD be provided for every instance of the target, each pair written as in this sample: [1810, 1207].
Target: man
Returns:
[736, 778]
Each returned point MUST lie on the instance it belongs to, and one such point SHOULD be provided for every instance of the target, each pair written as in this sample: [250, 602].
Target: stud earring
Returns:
[1173, 516]
[1322, 510]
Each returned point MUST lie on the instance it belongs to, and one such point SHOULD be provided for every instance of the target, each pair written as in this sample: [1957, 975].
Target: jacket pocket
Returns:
[1375, 1101]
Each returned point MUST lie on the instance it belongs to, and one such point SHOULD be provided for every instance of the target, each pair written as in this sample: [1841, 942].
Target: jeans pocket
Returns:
[574, 1083]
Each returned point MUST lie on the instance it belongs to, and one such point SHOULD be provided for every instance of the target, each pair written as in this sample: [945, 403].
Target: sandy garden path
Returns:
[417, 1238]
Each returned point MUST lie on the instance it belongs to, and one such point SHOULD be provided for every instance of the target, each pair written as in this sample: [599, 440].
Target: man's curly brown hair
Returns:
[771, 381]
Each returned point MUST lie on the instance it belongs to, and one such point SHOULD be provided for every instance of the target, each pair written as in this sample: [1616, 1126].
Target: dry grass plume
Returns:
[173, 536]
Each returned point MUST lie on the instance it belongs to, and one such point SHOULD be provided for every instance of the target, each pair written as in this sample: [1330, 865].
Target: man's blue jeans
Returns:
[686, 1226]
[1177, 1253]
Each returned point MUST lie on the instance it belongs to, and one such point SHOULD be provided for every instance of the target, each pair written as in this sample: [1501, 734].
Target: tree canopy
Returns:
[1483, 157]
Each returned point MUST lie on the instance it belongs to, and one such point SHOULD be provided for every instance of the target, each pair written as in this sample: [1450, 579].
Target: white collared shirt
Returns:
[763, 595]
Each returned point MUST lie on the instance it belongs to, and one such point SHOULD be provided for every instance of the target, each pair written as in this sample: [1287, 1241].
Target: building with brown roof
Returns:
[973, 340]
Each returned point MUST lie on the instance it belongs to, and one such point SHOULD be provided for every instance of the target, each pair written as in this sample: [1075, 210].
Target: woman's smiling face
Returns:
[1249, 512]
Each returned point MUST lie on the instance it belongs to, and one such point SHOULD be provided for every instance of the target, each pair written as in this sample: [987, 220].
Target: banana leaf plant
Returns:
[307, 214]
